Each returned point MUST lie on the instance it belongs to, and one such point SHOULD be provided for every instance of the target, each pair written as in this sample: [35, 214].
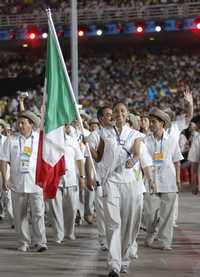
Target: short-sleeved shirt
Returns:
[72, 154]
[164, 173]
[2, 140]
[117, 151]
[194, 153]
[177, 127]
[144, 161]
[12, 151]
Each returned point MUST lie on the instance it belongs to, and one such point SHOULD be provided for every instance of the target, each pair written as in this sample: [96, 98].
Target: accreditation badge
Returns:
[158, 158]
[25, 160]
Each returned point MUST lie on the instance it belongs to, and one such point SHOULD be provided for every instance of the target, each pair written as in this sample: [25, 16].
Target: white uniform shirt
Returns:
[72, 154]
[116, 154]
[2, 140]
[165, 173]
[76, 132]
[177, 127]
[12, 150]
[194, 153]
[94, 140]
[144, 161]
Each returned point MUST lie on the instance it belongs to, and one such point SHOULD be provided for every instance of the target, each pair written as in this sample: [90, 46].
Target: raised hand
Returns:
[188, 95]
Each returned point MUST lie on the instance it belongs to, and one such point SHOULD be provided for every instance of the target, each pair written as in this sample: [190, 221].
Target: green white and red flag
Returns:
[58, 109]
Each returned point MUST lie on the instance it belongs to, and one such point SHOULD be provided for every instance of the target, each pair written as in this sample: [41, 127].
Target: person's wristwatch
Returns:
[82, 176]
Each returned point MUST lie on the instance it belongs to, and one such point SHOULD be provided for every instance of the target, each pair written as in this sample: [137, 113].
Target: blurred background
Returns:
[139, 52]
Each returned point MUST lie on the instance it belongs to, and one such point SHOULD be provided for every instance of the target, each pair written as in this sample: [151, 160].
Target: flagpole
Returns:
[74, 48]
[51, 25]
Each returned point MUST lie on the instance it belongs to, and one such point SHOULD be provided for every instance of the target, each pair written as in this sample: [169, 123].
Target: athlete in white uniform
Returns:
[5, 196]
[177, 126]
[21, 152]
[194, 157]
[63, 207]
[104, 116]
[166, 155]
[119, 148]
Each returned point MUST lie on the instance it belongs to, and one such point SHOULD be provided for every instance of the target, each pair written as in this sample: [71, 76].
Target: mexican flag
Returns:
[58, 109]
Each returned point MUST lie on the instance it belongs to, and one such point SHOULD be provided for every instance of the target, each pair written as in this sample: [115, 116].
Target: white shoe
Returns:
[133, 251]
[23, 248]
[71, 237]
[58, 241]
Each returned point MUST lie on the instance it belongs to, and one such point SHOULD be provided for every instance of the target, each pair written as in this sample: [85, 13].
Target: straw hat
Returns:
[94, 121]
[162, 116]
[31, 116]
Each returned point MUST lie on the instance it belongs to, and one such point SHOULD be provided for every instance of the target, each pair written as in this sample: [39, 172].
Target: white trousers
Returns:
[136, 224]
[100, 217]
[21, 201]
[81, 203]
[164, 203]
[89, 202]
[119, 207]
[6, 205]
[63, 210]
[175, 218]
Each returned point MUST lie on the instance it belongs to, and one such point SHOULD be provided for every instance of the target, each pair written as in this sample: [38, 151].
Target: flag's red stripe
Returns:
[48, 177]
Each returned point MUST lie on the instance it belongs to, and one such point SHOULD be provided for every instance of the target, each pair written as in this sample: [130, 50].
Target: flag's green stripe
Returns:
[60, 108]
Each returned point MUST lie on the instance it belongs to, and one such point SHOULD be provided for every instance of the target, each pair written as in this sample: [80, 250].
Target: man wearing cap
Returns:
[166, 155]
[21, 152]
[94, 124]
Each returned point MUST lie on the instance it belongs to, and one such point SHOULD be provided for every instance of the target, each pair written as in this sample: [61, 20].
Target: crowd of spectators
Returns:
[38, 6]
[142, 79]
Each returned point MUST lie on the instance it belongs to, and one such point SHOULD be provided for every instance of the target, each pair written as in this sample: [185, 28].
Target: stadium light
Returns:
[198, 26]
[140, 29]
[158, 28]
[32, 35]
[81, 33]
[44, 35]
[99, 32]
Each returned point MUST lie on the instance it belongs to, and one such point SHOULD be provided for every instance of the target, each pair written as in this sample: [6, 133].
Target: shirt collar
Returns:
[31, 136]
[164, 137]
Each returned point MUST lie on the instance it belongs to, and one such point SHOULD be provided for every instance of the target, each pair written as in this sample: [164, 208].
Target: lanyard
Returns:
[120, 142]
[20, 144]
[161, 144]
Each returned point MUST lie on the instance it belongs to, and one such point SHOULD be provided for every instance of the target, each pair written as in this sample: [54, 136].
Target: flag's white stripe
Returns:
[53, 140]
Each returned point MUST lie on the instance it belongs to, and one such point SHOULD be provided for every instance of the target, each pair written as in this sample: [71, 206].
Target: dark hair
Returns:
[100, 111]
